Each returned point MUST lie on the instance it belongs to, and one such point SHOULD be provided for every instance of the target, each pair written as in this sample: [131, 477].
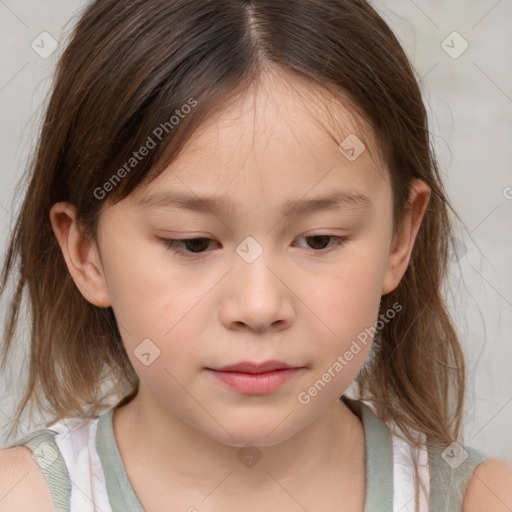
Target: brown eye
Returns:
[320, 243]
[196, 245]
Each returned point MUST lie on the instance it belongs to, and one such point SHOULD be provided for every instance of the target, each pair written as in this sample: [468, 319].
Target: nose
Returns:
[258, 296]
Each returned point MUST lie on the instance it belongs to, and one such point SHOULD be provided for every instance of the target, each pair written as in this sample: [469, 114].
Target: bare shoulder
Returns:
[23, 487]
[490, 488]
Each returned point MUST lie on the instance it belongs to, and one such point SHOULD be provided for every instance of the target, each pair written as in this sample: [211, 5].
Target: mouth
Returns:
[255, 378]
[253, 367]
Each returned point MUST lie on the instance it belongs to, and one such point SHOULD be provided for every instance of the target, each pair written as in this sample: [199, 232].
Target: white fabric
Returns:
[404, 454]
[403, 476]
[76, 440]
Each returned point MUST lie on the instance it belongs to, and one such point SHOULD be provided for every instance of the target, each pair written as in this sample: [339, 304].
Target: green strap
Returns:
[379, 459]
[48, 456]
[120, 492]
[451, 469]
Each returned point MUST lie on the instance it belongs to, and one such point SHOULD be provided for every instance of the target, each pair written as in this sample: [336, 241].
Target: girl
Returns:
[233, 215]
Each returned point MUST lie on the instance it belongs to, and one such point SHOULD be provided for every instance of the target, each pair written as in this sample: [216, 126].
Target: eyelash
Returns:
[174, 245]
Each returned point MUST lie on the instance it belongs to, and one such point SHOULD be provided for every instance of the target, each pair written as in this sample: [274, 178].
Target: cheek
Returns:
[154, 300]
[344, 301]
[162, 344]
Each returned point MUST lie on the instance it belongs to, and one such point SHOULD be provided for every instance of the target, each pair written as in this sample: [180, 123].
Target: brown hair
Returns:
[127, 69]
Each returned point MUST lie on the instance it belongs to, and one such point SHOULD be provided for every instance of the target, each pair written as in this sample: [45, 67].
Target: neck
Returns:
[160, 443]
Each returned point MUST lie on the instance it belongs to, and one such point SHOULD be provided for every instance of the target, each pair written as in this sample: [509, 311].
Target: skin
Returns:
[300, 302]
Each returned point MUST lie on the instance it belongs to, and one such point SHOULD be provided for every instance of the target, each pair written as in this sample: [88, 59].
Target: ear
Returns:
[81, 255]
[403, 242]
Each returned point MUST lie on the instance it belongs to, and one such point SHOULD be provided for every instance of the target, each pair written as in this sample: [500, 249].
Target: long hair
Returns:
[129, 68]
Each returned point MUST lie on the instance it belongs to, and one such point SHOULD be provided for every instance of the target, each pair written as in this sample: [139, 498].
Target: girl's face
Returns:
[264, 280]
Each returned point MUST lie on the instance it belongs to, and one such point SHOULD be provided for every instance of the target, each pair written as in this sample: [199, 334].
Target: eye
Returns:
[321, 240]
[198, 246]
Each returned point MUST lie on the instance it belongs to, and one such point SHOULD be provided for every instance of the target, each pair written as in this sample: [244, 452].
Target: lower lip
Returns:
[256, 383]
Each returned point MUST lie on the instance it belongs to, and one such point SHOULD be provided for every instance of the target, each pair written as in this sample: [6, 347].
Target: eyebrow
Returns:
[294, 207]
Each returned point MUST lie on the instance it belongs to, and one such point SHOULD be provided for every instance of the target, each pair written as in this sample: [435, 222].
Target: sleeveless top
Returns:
[83, 468]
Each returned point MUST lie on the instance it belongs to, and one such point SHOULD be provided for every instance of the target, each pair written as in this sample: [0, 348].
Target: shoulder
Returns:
[23, 487]
[490, 488]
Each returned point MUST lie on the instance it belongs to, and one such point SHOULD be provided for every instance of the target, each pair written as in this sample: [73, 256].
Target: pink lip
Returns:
[255, 378]
[250, 367]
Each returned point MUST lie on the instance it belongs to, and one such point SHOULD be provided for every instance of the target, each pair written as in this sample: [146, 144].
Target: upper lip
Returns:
[250, 367]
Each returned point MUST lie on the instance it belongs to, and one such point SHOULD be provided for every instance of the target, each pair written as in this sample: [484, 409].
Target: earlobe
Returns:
[80, 254]
[403, 242]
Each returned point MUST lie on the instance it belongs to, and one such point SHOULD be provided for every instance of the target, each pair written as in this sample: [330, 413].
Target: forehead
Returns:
[282, 136]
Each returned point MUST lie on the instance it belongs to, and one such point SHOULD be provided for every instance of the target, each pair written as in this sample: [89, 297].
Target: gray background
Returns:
[470, 104]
